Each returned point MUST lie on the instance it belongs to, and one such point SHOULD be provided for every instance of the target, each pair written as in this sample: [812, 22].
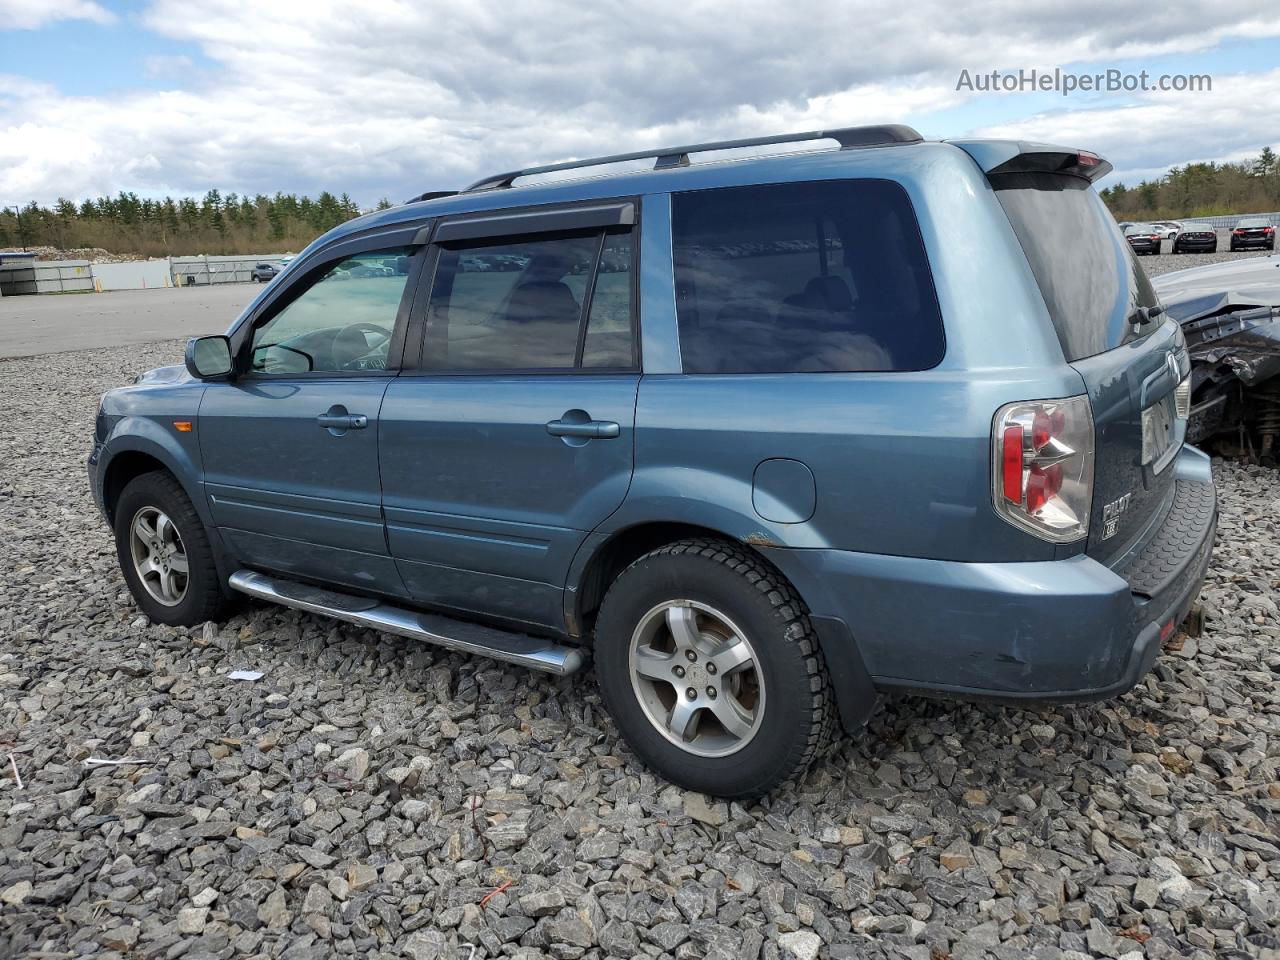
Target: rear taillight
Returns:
[1043, 467]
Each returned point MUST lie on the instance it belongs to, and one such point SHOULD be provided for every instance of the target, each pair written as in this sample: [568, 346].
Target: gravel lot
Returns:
[373, 797]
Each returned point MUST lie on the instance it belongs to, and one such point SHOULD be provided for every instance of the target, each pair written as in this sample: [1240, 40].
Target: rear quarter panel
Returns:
[901, 461]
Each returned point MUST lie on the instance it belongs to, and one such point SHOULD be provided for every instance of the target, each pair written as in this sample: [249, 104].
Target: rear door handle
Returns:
[591, 429]
[343, 421]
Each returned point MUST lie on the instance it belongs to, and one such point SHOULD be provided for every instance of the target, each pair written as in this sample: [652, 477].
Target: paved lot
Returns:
[30, 326]
[369, 797]
[54, 323]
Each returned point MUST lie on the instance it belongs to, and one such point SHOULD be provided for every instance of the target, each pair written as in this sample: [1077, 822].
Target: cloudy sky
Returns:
[391, 98]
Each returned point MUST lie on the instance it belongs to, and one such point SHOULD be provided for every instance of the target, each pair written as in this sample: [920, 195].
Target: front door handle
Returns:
[590, 429]
[343, 421]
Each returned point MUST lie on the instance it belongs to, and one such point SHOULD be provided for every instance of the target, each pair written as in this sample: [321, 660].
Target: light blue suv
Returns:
[762, 436]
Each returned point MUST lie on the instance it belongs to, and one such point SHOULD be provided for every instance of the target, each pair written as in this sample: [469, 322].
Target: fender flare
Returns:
[141, 435]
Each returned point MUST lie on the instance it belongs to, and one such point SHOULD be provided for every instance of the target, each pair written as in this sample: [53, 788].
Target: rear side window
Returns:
[546, 302]
[803, 277]
[1090, 280]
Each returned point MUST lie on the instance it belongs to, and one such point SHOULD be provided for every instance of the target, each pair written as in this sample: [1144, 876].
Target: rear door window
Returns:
[1088, 276]
[803, 278]
[545, 302]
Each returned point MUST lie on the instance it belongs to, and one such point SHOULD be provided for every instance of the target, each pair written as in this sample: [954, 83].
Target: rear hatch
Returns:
[1131, 362]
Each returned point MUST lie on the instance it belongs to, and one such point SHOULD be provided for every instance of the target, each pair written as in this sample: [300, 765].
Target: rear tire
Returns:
[703, 629]
[164, 552]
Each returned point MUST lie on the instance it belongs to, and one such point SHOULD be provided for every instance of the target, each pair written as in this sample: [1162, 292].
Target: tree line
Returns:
[1201, 190]
[231, 223]
[216, 224]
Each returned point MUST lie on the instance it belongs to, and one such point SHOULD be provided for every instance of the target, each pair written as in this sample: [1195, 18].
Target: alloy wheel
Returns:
[697, 678]
[159, 558]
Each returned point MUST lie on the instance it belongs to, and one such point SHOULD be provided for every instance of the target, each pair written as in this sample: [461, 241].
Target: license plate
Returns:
[1157, 428]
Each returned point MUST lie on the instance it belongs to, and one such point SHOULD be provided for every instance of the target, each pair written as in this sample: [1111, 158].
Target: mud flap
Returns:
[856, 695]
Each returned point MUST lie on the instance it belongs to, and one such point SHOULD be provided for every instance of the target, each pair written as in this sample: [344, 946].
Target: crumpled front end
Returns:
[1230, 317]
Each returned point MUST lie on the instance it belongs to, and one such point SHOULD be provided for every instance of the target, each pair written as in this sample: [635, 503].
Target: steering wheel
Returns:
[350, 343]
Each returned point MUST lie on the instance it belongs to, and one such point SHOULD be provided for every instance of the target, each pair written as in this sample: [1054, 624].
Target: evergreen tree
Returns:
[212, 224]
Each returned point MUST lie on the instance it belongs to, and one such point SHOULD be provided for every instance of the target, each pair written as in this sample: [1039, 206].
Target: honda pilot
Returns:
[762, 437]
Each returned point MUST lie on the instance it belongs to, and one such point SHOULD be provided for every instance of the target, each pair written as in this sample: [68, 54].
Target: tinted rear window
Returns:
[1090, 280]
[803, 277]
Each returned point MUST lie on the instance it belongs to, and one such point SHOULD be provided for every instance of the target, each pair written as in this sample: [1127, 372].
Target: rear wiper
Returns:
[1141, 316]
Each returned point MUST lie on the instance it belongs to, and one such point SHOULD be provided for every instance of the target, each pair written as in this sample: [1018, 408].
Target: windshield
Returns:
[1091, 283]
[1254, 222]
[1140, 228]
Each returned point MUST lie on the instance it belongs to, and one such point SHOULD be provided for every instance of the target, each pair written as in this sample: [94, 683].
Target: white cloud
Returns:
[167, 64]
[398, 97]
[33, 14]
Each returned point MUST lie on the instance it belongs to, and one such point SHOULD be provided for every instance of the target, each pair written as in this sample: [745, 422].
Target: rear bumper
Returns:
[1261, 242]
[1066, 630]
[1184, 244]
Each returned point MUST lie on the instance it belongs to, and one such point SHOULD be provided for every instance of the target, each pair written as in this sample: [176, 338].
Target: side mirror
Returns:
[209, 358]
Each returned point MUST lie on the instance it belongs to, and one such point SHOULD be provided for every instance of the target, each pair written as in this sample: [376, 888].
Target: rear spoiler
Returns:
[1017, 156]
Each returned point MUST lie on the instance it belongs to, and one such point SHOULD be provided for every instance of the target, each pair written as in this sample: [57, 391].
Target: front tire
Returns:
[164, 552]
[708, 663]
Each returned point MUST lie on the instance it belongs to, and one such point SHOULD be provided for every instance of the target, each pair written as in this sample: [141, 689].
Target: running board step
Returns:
[429, 627]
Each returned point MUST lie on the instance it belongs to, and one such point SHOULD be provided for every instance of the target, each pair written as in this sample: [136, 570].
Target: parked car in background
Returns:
[845, 460]
[1196, 238]
[1253, 232]
[1142, 237]
[263, 272]
[1168, 229]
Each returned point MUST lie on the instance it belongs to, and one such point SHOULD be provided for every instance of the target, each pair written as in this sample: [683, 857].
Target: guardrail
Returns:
[1229, 221]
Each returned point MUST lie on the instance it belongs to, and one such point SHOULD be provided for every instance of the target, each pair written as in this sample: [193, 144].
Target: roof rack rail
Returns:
[666, 157]
[432, 195]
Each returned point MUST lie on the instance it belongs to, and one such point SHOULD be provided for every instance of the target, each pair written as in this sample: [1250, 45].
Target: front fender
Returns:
[179, 453]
